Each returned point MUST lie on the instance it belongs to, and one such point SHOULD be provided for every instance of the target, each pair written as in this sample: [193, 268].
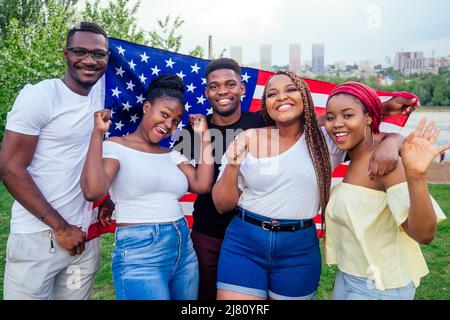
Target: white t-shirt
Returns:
[147, 187]
[284, 186]
[63, 120]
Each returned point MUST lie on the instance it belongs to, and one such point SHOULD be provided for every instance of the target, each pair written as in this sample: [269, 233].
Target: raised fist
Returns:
[101, 120]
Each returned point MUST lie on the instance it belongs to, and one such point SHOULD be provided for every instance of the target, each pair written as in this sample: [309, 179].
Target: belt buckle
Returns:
[273, 225]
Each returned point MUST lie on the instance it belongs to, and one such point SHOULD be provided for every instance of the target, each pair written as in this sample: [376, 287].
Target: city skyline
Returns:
[352, 30]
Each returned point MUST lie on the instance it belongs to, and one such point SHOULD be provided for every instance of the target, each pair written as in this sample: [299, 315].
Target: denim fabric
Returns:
[280, 265]
[155, 262]
[349, 287]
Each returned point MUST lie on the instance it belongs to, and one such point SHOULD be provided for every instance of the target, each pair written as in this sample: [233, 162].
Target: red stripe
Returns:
[340, 171]
[399, 120]
[188, 197]
[99, 202]
[319, 111]
[256, 105]
[317, 86]
[263, 76]
[190, 220]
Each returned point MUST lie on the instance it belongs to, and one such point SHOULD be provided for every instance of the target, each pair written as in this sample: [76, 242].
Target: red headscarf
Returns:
[368, 96]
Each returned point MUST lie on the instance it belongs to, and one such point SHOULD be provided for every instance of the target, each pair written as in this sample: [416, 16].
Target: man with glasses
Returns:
[43, 151]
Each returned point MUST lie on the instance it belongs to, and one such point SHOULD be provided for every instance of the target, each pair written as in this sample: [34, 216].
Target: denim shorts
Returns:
[155, 262]
[350, 287]
[276, 264]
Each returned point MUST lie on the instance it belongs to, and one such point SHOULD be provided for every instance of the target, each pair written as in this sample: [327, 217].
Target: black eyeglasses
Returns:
[82, 53]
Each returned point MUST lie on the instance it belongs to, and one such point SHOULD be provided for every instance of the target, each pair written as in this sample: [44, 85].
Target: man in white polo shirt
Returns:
[43, 151]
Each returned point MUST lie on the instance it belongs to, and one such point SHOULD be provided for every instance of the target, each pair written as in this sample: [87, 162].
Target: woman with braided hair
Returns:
[278, 177]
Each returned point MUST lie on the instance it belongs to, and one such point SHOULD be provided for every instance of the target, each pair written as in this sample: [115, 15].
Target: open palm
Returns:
[418, 150]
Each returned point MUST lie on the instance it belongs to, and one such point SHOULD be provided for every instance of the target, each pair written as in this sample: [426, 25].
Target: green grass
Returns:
[436, 285]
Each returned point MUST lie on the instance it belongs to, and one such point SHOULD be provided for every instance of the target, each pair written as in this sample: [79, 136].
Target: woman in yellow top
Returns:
[374, 226]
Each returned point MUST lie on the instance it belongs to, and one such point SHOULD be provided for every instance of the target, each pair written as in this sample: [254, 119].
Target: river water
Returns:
[442, 119]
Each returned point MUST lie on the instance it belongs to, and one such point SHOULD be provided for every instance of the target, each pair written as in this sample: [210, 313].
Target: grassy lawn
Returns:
[436, 285]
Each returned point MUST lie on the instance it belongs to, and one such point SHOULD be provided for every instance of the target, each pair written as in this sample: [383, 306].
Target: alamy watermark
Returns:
[261, 146]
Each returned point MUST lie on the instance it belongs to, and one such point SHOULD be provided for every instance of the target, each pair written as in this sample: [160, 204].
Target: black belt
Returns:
[273, 225]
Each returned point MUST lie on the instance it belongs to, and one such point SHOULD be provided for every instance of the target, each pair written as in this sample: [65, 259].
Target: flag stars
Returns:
[155, 70]
[169, 63]
[130, 85]
[140, 99]
[112, 113]
[209, 111]
[132, 64]
[116, 92]
[245, 77]
[144, 57]
[181, 74]
[200, 100]
[121, 50]
[119, 125]
[120, 71]
[180, 125]
[203, 80]
[191, 87]
[242, 97]
[134, 118]
[143, 78]
[171, 143]
[195, 68]
[126, 106]
[107, 134]
[187, 106]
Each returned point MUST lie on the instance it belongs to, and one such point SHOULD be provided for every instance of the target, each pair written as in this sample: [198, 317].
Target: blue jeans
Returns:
[349, 287]
[155, 262]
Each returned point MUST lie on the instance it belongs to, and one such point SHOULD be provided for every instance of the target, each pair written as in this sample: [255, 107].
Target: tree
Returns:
[30, 53]
[35, 32]
[166, 37]
[198, 52]
[439, 94]
[118, 20]
[24, 11]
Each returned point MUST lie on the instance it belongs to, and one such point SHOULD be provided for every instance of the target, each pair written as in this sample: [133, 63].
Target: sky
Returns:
[352, 30]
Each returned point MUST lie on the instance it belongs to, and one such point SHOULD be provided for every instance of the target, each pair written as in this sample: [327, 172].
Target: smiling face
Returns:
[346, 121]
[224, 91]
[84, 72]
[283, 100]
[161, 118]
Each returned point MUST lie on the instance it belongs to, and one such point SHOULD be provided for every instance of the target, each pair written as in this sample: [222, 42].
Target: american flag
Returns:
[133, 66]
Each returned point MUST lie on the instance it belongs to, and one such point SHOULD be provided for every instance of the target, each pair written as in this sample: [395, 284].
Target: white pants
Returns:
[33, 272]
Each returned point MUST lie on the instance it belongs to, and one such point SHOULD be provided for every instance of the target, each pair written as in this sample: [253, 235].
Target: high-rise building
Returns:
[409, 62]
[365, 68]
[236, 54]
[318, 57]
[295, 50]
[340, 65]
[265, 57]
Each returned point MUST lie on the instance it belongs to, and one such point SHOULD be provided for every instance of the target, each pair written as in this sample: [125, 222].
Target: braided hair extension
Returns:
[313, 135]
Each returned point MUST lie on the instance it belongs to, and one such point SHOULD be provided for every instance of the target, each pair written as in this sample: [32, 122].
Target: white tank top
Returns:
[284, 186]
